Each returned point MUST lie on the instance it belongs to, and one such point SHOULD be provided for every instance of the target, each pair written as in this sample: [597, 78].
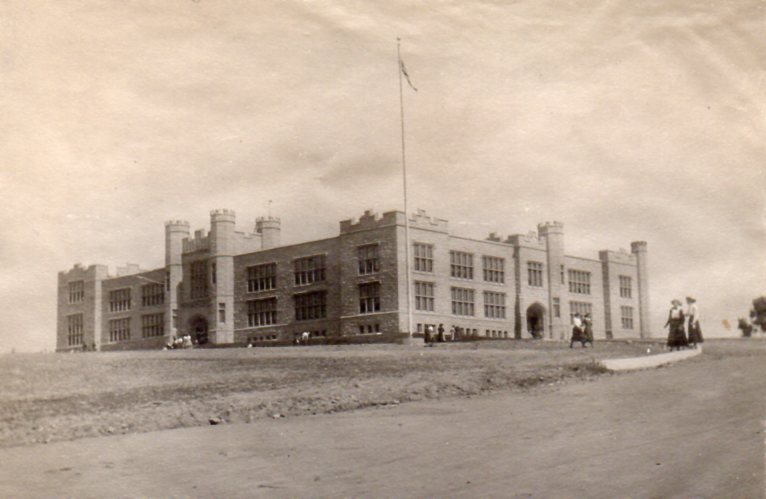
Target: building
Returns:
[230, 287]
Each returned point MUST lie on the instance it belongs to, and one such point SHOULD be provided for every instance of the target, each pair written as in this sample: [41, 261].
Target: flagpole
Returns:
[404, 185]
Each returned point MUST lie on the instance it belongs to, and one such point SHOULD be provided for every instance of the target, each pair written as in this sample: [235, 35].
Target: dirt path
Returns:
[694, 429]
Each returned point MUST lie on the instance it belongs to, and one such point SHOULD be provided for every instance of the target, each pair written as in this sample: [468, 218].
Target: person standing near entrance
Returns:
[695, 332]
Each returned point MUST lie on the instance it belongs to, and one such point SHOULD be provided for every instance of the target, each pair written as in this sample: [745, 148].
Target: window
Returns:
[261, 277]
[74, 330]
[424, 296]
[369, 297]
[556, 307]
[213, 273]
[462, 301]
[167, 280]
[535, 274]
[222, 312]
[119, 329]
[424, 257]
[494, 305]
[461, 265]
[626, 288]
[309, 269]
[262, 312]
[152, 325]
[494, 269]
[175, 318]
[119, 300]
[627, 317]
[579, 307]
[198, 279]
[563, 280]
[310, 306]
[152, 294]
[579, 282]
[76, 291]
[368, 259]
[369, 328]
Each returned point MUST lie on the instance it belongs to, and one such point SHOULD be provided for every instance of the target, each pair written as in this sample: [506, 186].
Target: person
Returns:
[695, 332]
[588, 330]
[441, 338]
[430, 334]
[452, 333]
[577, 330]
[305, 337]
[676, 333]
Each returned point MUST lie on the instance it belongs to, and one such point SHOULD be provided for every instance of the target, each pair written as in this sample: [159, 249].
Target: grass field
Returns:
[50, 397]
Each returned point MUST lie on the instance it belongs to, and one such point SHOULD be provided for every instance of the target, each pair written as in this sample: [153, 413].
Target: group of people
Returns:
[180, 342]
[431, 336]
[582, 330]
[678, 318]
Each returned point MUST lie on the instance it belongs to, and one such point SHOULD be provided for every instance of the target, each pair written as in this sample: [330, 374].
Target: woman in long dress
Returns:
[676, 333]
[588, 333]
[695, 333]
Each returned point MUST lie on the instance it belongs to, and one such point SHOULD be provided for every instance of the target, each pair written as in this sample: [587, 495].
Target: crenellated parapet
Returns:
[546, 228]
[78, 271]
[421, 220]
[223, 215]
[177, 225]
[621, 256]
[199, 242]
[370, 220]
[246, 242]
[638, 246]
[529, 240]
[494, 237]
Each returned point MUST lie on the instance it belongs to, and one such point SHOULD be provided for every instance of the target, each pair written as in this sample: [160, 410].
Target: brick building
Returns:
[230, 287]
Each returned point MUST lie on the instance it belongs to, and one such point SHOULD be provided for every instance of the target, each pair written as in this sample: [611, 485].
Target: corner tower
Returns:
[638, 248]
[222, 249]
[175, 233]
[553, 234]
[270, 229]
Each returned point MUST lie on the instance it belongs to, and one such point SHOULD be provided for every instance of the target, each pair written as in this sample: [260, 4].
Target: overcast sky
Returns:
[624, 120]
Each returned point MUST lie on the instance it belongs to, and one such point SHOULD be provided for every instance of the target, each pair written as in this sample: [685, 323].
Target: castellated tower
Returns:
[270, 230]
[638, 248]
[222, 249]
[175, 232]
[553, 234]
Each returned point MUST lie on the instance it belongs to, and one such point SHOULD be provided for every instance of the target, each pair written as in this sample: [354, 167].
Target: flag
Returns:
[406, 75]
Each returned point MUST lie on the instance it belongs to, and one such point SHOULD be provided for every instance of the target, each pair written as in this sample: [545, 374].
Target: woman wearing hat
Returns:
[695, 333]
[676, 334]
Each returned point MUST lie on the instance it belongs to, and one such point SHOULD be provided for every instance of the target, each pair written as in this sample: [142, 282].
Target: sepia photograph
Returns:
[296, 248]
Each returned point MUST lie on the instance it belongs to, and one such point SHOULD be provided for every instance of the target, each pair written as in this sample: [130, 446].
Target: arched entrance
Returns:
[536, 320]
[198, 328]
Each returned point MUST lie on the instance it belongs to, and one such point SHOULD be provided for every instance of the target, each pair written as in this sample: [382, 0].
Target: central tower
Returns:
[553, 234]
[222, 249]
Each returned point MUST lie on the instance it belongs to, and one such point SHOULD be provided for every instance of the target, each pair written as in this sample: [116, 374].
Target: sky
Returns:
[623, 120]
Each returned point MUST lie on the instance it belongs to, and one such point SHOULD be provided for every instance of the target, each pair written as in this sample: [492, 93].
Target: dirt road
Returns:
[691, 430]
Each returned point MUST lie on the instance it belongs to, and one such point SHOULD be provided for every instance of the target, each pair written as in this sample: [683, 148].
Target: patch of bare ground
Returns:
[52, 397]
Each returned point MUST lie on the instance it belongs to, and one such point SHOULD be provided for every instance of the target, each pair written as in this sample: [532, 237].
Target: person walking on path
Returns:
[695, 333]
[676, 333]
